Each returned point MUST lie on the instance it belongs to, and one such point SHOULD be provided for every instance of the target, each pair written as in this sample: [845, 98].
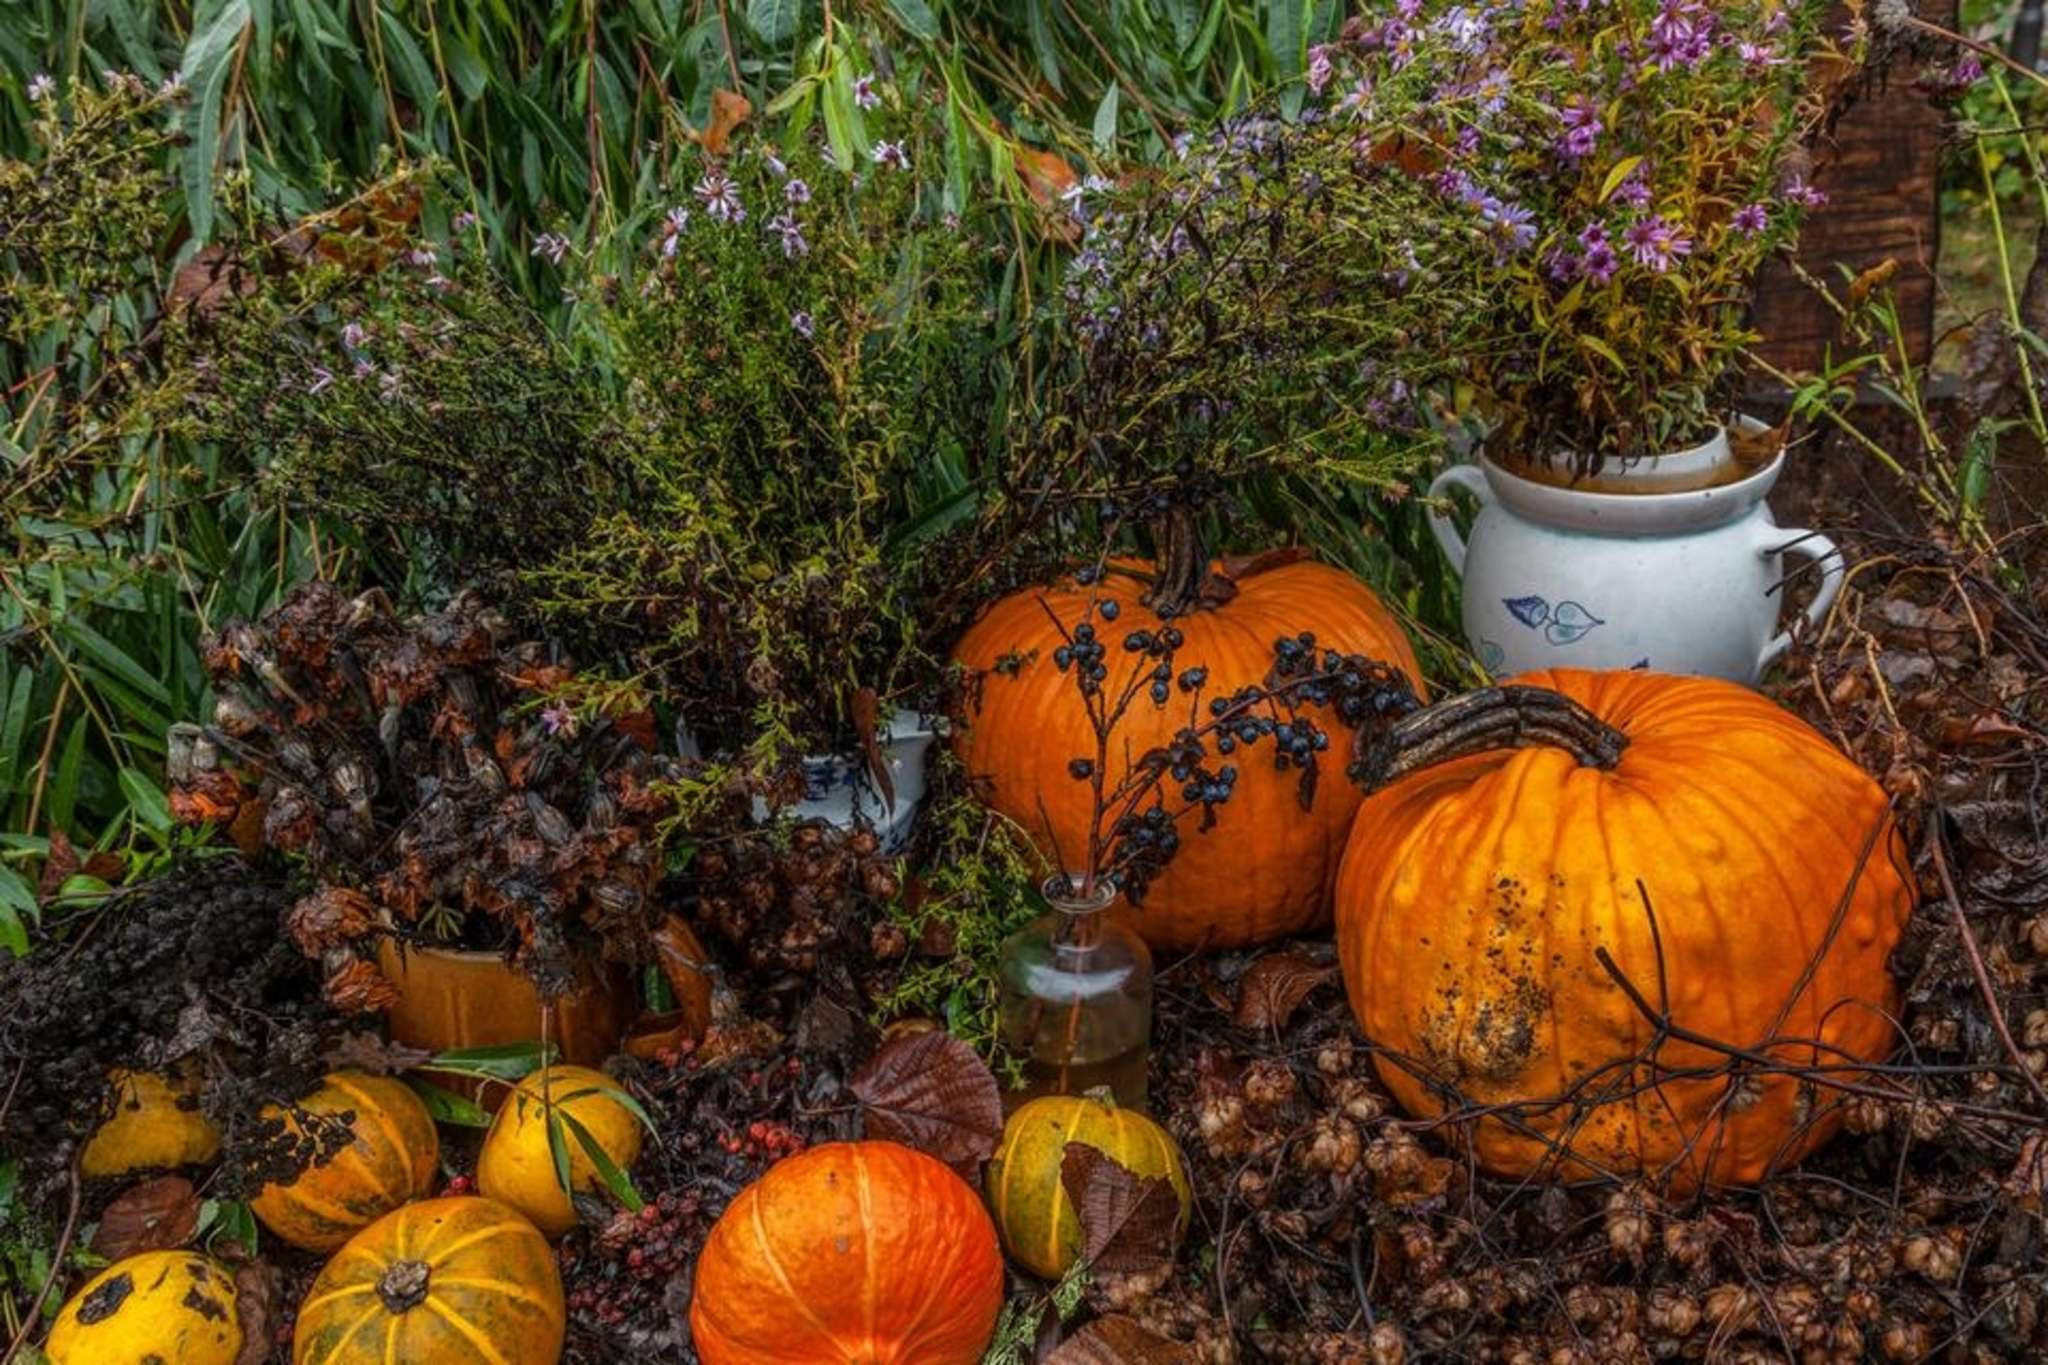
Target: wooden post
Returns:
[1881, 173]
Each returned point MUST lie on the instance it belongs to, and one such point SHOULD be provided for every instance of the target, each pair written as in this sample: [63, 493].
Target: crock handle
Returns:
[1818, 548]
[1470, 478]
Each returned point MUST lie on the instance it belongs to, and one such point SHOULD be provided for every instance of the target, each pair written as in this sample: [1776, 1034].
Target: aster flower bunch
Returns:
[1623, 168]
[804, 358]
[1268, 306]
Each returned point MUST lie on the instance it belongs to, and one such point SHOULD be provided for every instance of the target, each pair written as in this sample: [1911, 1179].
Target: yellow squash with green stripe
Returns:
[390, 1160]
[443, 1280]
[1040, 1229]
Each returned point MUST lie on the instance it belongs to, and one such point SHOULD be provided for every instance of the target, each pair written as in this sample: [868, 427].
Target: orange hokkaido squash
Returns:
[1265, 869]
[390, 1160]
[1494, 931]
[444, 1279]
[852, 1253]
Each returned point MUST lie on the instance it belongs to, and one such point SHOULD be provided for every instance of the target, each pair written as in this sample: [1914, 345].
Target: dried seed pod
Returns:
[550, 824]
[367, 607]
[235, 714]
[614, 897]
[483, 770]
[180, 741]
[296, 757]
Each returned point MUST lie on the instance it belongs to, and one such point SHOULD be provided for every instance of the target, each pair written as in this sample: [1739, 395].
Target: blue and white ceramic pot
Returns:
[1672, 563]
[839, 790]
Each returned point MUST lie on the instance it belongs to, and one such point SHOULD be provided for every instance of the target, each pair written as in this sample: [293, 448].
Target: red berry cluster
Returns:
[619, 1272]
[765, 1140]
[459, 1184]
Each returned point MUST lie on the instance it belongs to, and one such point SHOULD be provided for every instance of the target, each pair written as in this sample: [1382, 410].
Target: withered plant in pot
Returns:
[1623, 170]
[1260, 311]
[479, 822]
[809, 396]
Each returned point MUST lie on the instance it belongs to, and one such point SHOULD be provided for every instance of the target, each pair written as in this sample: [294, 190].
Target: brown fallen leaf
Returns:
[729, 109]
[1046, 175]
[357, 987]
[1274, 987]
[1118, 1340]
[155, 1215]
[256, 1308]
[931, 1092]
[1130, 1224]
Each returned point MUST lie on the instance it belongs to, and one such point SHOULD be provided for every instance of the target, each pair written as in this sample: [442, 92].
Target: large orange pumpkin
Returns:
[1265, 869]
[1482, 888]
[390, 1160]
[443, 1279]
[853, 1253]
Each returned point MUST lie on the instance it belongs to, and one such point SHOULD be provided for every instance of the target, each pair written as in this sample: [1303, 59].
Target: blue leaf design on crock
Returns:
[1492, 657]
[1530, 611]
[1569, 622]
[1640, 664]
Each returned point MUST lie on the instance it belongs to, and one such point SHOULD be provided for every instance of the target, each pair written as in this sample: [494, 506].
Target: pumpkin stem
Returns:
[1182, 584]
[403, 1285]
[1491, 718]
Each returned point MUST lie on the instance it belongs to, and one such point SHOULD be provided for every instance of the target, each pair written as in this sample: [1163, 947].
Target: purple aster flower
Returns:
[1634, 191]
[1750, 219]
[800, 322]
[1492, 91]
[1758, 55]
[322, 380]
[786, 226]
[353, 335]
[1682, 35]
[864, 92]
[1320, 68]
[42, 86]
[1563, 265]
[1582, 128]
[721, 198]
[363, 370]
[463, 221]
[1599, 263]
[558, 719]
[552, 245]
[387, 386]
[1510, 227]
[1467, 29]
[1798, 191]
[422, 256]
[673, 224]
[1656, 243]
[797, 192]
[892, 155]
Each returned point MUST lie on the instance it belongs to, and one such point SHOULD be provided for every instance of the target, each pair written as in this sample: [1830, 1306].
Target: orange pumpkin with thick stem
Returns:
[1556, 862]
[1265, 869]
[444, 1279]
[852, 1253]
[391, 1158]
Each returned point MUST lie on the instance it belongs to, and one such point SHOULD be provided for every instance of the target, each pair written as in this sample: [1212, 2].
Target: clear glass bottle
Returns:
[1075, 998]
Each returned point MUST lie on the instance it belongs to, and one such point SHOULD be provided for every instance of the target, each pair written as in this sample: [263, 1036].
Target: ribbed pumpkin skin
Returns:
[493, 1293]
[392, 1161]
[156, 1123]
[1265, 869]
[517, 1166]
[1474, 893]
[1040, 1228]
[852, 1253]
[158, 1308]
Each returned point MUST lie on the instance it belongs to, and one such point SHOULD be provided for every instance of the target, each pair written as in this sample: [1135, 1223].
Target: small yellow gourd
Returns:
[1040, 1228]
[517, 1165]
[156, 1123]
[174, 1307]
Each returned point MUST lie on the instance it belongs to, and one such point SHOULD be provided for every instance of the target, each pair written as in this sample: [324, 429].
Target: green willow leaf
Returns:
[208, 62]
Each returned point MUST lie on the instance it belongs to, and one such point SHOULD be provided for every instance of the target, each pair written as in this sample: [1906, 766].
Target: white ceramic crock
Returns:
[1681, 582]
[839, 791]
